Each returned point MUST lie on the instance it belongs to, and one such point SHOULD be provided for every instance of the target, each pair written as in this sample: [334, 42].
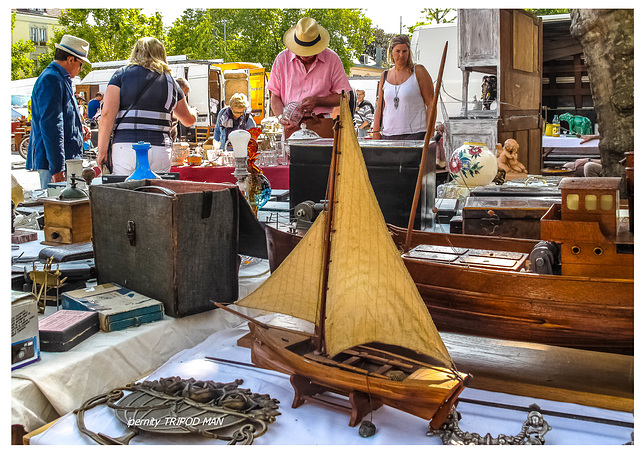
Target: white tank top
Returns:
[411, 115]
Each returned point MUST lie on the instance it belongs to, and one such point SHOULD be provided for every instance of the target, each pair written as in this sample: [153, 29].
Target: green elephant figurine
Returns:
[578, 125]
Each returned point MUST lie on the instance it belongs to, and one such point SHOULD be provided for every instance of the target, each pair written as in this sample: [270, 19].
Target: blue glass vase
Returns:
[143, 169]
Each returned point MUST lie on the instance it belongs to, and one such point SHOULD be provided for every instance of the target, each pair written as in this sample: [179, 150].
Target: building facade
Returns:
[36, 25]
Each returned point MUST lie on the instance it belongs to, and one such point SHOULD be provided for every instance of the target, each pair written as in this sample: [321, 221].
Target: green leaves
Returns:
[111, 33]
[251, 35]
[255, 35]
[21, 65]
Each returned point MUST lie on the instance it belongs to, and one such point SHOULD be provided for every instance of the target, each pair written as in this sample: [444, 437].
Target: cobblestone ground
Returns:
[29, 180]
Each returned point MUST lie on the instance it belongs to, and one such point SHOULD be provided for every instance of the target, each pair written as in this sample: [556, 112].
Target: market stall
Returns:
[220, 359]
[40, 393]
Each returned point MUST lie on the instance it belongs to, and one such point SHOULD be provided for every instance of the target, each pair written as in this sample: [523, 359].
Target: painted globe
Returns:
[473, 164]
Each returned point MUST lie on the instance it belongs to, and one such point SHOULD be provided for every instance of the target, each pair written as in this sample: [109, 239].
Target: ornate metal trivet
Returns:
[533, 430]
[178, 406]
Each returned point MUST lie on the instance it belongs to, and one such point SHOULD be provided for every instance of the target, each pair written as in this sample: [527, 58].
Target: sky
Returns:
[378, 12]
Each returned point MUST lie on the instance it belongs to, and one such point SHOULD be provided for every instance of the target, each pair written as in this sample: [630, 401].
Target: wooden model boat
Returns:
[484, 285]
[374, 339]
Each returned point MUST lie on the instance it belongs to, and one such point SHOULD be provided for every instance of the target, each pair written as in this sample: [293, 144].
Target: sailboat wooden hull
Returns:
[429, 392]
[577, 312]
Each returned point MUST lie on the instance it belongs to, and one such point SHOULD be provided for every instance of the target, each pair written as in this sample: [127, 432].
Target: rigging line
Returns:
[243, 364]
[370, 398]
[585, 418]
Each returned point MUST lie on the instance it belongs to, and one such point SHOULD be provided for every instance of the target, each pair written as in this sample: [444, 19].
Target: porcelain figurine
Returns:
[508, 160]
[578, 125]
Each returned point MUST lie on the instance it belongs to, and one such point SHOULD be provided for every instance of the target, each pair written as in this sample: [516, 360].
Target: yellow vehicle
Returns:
[247, 78]
[213, 82]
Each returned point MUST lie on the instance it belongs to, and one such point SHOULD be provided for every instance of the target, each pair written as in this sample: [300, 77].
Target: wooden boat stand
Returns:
[360, 403]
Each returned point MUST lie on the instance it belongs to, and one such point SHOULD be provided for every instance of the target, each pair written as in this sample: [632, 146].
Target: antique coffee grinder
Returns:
[67, 217]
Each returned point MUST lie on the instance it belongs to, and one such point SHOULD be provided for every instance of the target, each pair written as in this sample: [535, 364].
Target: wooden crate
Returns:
[516, 217]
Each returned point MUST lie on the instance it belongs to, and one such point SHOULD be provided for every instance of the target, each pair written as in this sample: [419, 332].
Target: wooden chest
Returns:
[174, 241]
[392, 166]
[515, 217]
[66, 221]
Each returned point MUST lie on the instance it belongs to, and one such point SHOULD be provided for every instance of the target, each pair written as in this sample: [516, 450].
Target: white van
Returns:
[206, 80]
[427, 45]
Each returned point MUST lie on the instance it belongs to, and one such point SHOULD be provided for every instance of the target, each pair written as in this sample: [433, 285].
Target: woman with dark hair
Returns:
[140, 100]
[404, 94]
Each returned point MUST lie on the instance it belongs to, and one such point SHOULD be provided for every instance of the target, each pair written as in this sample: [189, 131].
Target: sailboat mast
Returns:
[319, 337]
[425, 149]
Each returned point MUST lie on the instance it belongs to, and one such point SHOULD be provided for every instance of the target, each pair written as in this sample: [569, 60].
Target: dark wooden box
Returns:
[180, 248]
[515, 217]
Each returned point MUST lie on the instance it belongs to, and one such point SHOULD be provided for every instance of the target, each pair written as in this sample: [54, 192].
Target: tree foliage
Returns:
[548, 12]
[21, 65]
[435, 16]
[111, 33]
[255, 35]
[380, 39]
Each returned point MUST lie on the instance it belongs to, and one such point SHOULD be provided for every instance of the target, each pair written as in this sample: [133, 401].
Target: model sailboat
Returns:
[374, 341]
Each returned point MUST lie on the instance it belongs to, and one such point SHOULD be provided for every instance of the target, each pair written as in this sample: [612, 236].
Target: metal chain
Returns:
[532, 433]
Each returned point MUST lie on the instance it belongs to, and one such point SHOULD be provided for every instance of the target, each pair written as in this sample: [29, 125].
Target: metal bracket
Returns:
[131, 232]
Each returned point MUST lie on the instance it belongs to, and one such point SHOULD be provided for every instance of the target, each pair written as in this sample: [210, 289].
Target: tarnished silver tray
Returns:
[178, 406]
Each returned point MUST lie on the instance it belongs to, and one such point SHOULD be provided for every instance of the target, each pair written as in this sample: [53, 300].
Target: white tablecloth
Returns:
[62, 381]
[317, 425]
[567, 142]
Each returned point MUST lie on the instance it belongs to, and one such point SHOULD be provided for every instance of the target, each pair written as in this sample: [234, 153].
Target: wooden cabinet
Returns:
[507, 44]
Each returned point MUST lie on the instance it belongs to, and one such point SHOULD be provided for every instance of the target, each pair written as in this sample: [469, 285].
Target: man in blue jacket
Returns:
[57, 131]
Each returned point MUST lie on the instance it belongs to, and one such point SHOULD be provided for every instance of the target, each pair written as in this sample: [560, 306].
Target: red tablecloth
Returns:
[277, 176]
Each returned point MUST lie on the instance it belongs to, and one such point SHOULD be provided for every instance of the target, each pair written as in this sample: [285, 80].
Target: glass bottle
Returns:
[556, 126]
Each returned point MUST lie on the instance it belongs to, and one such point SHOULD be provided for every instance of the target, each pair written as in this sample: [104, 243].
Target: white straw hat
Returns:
[306, 38]
[75, 46]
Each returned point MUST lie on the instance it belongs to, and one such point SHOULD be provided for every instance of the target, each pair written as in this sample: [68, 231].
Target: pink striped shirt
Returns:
[290, 81]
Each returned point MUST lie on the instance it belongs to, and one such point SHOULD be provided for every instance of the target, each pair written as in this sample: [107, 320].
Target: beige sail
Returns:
[371, 296]
[294, 287]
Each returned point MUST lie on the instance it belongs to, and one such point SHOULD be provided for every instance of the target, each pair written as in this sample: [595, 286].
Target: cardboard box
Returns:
[25, 342]
[117, 307]
[65, 329]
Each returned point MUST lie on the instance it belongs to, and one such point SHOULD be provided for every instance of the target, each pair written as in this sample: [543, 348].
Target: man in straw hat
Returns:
[307, 72]
[57, 131]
